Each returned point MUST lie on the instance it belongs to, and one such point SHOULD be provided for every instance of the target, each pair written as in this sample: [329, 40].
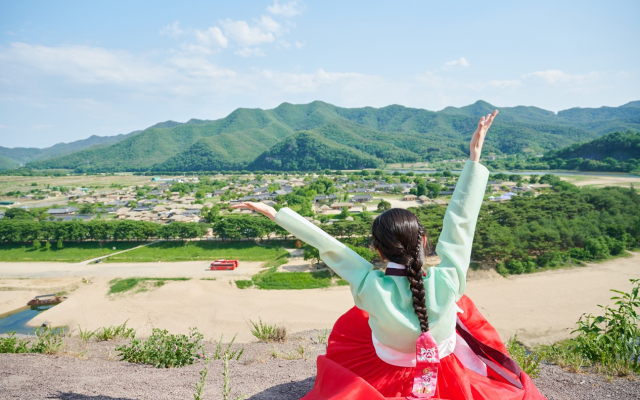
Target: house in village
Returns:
[361, 198]
[339, 206]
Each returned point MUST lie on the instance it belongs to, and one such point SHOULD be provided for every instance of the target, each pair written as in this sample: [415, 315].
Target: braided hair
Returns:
[398, 234]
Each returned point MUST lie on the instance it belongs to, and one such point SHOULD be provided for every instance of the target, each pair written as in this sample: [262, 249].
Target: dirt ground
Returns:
[93, 371]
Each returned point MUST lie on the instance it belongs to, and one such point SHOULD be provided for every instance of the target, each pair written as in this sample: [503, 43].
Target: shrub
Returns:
[579, 254]
[164, 350]
[267, 332]
[598, 248]
[11, 344]
[36, 245]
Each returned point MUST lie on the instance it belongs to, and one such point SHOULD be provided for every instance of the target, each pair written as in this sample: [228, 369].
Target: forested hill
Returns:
[620, 146]
[256, 138]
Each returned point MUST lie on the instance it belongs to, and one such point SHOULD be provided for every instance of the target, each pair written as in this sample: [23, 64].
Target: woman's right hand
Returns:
[478, 137]
[259, 207]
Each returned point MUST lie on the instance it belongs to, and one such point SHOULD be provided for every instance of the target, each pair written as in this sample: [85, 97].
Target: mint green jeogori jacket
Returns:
[388, 299]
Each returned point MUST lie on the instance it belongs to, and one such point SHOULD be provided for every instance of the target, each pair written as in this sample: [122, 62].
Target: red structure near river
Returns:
[224, 265]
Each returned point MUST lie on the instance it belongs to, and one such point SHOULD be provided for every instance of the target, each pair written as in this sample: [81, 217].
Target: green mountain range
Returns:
[285, 137]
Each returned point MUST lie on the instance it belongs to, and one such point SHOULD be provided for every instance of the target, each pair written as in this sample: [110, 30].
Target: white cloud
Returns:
[250, 52]
[460, 63]
[308, 82]
[264, 30]
[505, 84]
[81, 63]
[300, 45]
[78, 70]
[211, 36]
[172, 30]
[39, 127]
[289, 9]
[554, 76]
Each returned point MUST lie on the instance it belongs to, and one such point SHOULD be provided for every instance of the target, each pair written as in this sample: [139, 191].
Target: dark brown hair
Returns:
[398, 233]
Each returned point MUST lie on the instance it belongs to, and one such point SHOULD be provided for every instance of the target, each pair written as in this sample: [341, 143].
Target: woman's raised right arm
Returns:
[340, 258]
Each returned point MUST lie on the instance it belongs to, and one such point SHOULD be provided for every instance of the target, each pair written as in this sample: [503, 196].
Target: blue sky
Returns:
[71, 69]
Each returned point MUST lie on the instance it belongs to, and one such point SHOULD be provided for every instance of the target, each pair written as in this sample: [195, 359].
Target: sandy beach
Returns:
[540, 308]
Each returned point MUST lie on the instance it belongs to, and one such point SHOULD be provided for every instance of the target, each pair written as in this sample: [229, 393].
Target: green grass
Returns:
[179, 251]
[124, 285]
[244, 283]
[72, 252]
[272, 279]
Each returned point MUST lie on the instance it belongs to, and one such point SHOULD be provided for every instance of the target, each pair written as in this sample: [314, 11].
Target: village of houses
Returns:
[161, 205]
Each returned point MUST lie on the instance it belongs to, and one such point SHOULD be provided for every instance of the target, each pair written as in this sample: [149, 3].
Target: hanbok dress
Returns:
[371, 352]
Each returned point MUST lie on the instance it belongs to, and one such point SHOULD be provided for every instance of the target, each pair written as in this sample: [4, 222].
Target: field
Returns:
[186, 251]
[72, 252]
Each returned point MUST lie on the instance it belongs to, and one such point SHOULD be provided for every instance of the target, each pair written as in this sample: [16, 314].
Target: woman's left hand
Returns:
[478, 137]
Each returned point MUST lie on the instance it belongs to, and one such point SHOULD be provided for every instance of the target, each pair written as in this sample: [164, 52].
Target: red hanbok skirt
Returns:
[352, 370]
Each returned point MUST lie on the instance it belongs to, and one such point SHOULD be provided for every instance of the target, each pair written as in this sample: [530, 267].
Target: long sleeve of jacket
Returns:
[388, 299]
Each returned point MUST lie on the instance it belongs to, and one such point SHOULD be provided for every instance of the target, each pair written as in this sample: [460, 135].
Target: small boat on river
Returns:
[45, 300]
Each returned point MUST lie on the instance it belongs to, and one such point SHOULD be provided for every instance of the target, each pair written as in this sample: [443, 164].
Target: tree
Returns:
[421, 189]
[87, 209]
[434, 189]
[17, 213]
[310, 253]
[384, 206]
[345, 212]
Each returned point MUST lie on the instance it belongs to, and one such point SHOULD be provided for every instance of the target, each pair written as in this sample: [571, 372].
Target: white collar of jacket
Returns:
[395, 265]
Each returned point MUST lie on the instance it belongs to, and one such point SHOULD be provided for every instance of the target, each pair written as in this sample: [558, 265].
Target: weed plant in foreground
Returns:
[529, 363]
[608, 343]
[107, 333]
[47, 341]
[268, 332]
[164, 350]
